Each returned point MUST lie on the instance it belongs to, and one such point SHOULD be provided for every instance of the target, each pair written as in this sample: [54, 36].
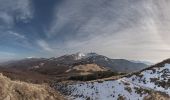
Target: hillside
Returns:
[16, 90]
[152, 83]
[116, 65]
[86, 69]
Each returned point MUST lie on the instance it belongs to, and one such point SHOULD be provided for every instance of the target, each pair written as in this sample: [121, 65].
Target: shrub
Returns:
[94, 76]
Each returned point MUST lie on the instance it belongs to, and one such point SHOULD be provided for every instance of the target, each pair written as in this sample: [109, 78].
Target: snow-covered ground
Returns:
[135, 87]
[161, 74]
[107, 90]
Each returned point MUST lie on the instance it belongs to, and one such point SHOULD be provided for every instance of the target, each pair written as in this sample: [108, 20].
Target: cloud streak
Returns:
[17, 35]
[44, 45]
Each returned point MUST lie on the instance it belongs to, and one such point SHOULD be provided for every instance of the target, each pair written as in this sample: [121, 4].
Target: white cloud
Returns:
[17, 35]
[6, 19]
[118, 28]
[19, 10]
[44, 45]
[16, 39]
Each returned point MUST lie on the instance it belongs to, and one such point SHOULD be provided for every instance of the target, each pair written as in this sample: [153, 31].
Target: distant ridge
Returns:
[63, 63]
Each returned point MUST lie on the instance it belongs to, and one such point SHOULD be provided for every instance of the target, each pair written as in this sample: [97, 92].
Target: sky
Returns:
[127, 29]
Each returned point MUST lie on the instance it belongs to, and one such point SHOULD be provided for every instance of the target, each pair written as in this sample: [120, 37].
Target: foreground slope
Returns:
[149, 84]
[15, 90]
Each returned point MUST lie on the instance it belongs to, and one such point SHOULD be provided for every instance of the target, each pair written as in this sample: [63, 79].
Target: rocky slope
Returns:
[152, 83]
[16, 90]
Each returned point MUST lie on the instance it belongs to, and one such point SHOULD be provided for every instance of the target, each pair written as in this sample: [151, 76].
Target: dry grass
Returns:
[86, 69]
[16, 90]
[89, 67]
[157, 96]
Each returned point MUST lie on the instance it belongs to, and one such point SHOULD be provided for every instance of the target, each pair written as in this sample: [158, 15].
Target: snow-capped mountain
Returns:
[152, 83]
[79, 55]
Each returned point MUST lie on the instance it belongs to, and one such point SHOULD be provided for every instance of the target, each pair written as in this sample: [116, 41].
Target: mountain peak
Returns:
[79, 55]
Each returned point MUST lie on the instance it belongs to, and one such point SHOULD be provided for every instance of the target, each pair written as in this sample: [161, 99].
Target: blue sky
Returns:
[130, 29]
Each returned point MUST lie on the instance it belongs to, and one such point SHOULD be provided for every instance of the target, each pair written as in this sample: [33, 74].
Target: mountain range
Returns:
[63, 63]
[78, 66]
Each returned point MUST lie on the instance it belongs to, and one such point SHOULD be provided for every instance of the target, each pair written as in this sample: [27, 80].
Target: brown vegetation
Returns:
[27, 76]
[87, 68]
[16, 90]
[157, 96]
[96, 76]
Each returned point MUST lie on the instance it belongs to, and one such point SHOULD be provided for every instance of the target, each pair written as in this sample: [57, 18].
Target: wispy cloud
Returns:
[20, 10]
[44, 45]
[121, 29]
[6, 19]
[13, 38]
[132, 29]
[17, 35]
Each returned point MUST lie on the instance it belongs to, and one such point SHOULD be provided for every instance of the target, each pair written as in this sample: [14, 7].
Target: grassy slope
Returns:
[16, 90]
